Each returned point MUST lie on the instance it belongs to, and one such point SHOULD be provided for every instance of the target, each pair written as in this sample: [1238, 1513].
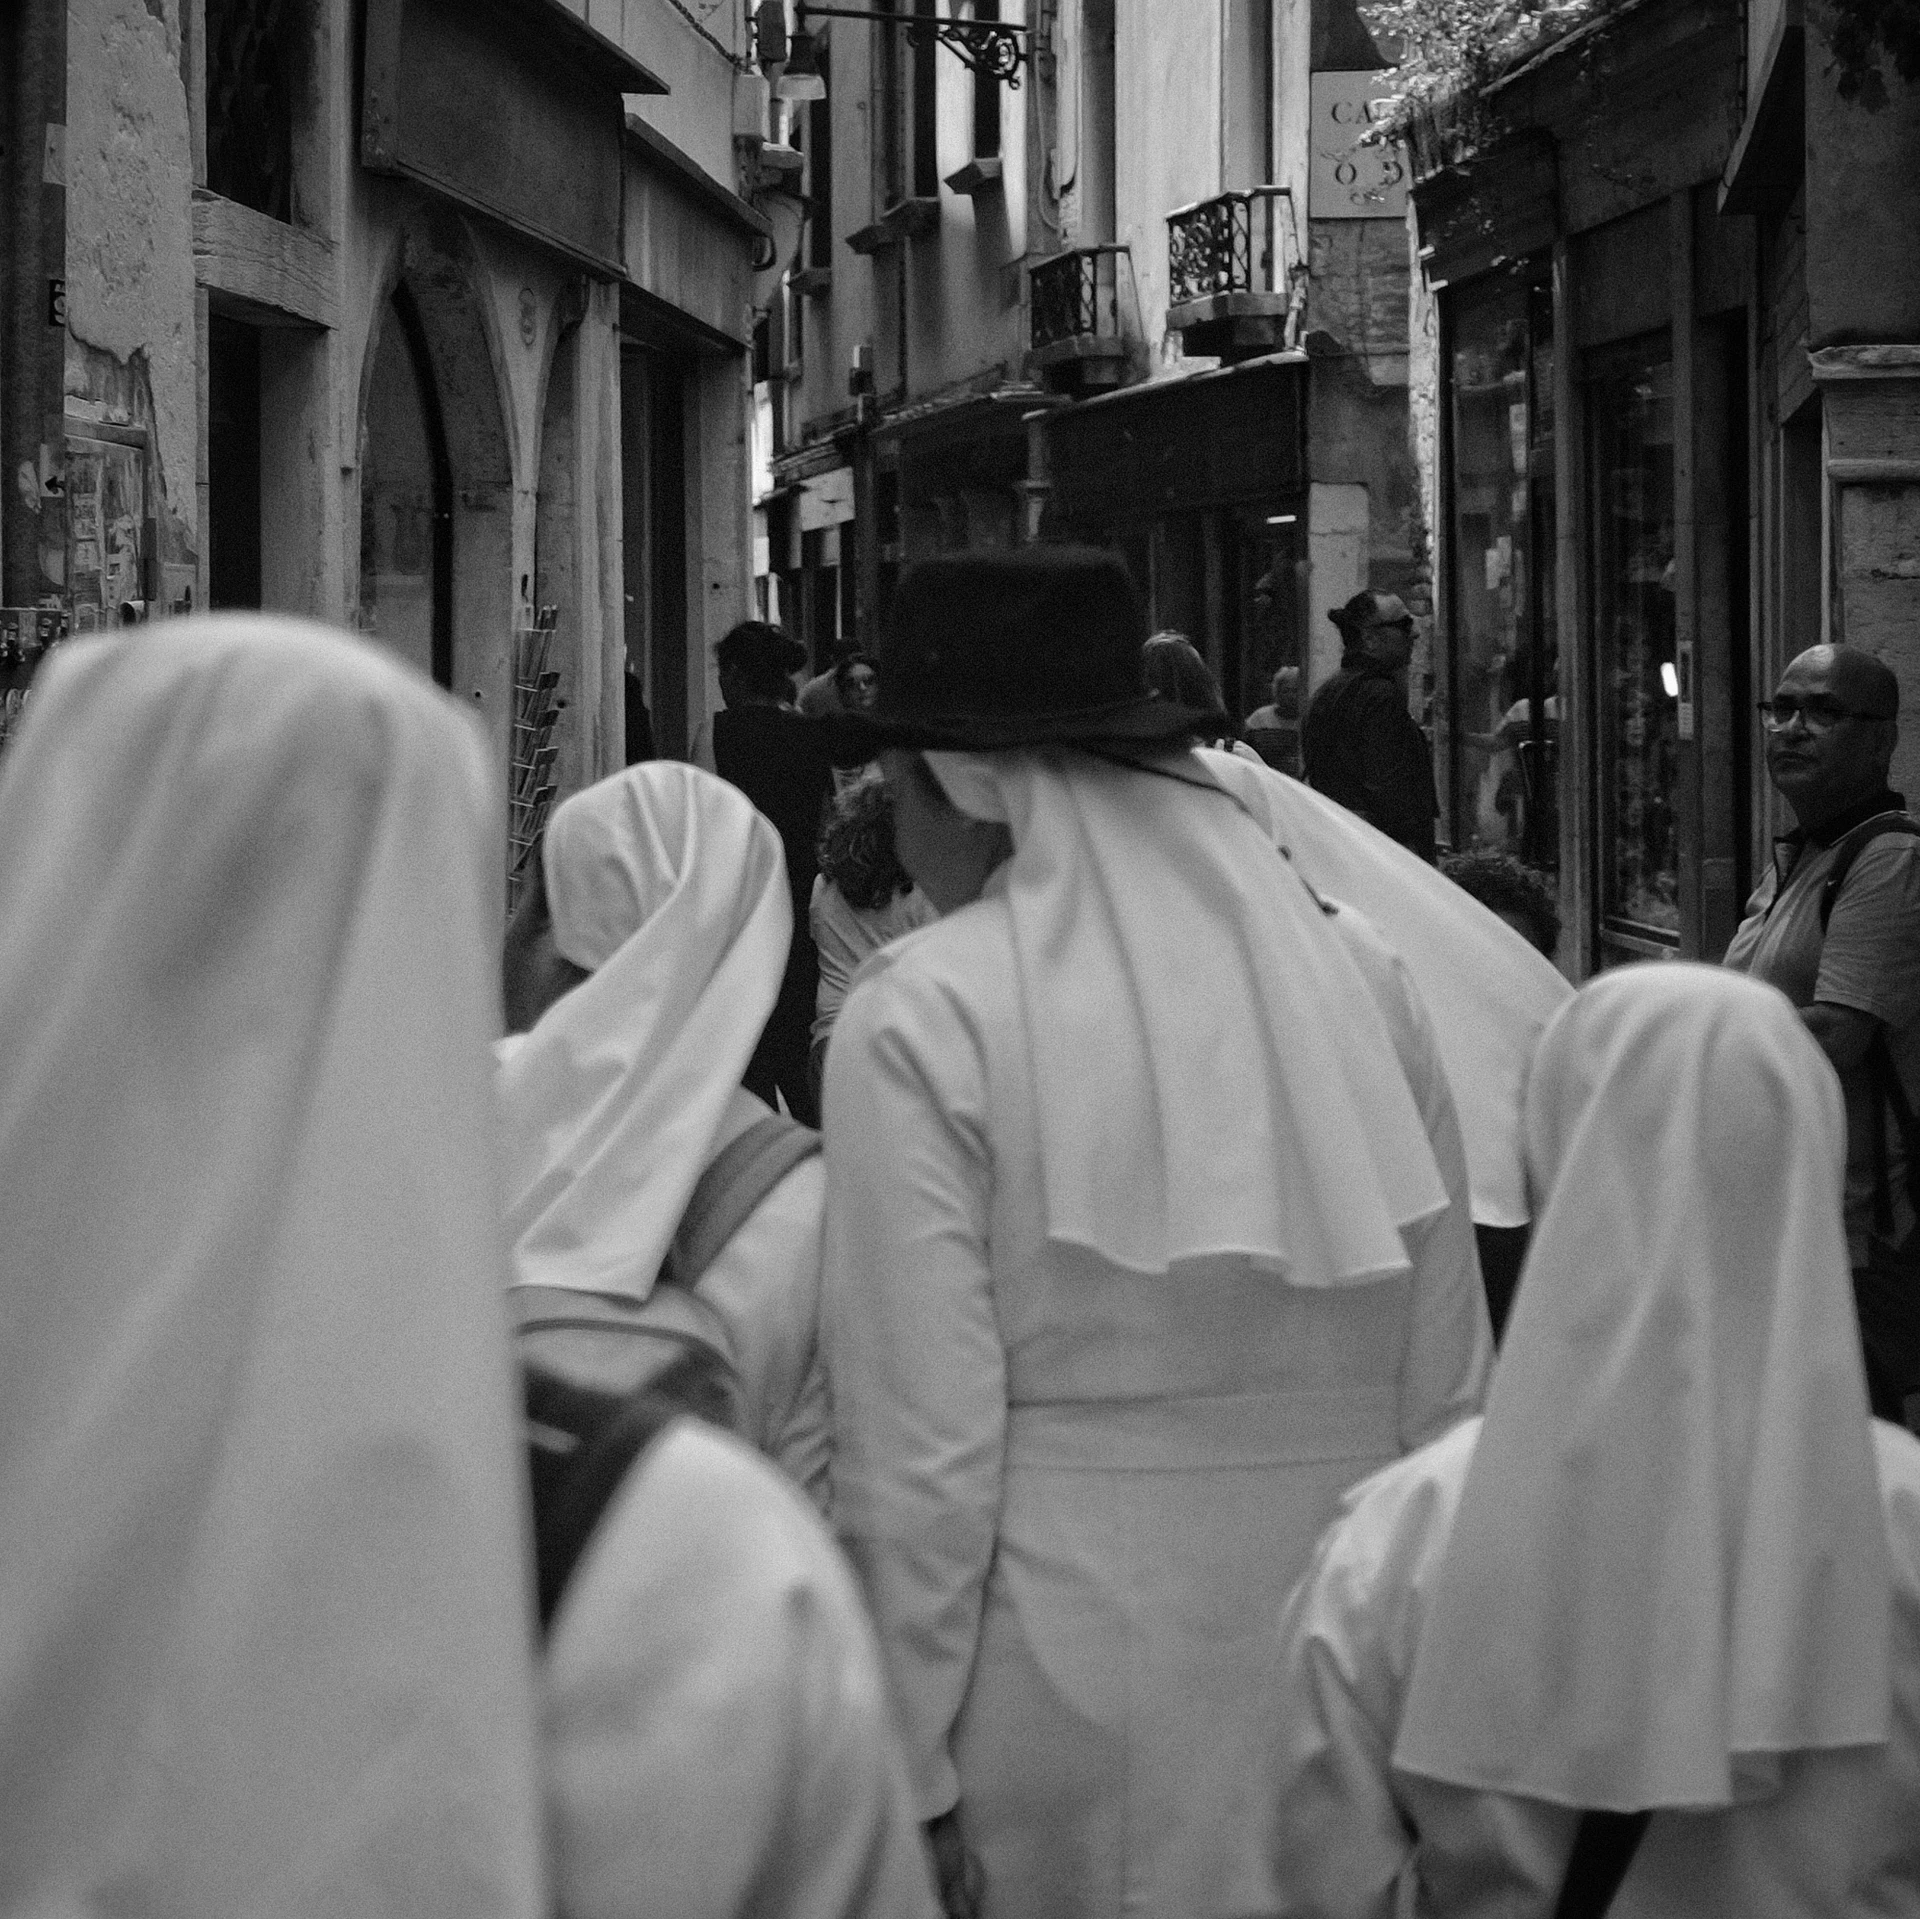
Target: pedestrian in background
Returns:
[821, 695]
[778, 758]
[1273, 730]
[1137, 1250]
[1177, 672]
[264, 1632]
[862, 899]
[1835, 924]
[1674, 1571]
[1362, 747]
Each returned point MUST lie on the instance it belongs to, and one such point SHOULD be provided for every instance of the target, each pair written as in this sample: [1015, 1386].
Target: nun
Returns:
[716, 1723]
[264, 1612]
[1138, 1250]
[1646, 1639]
[641, 963]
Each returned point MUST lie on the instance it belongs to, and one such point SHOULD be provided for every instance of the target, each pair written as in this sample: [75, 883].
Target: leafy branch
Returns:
[1451, 49]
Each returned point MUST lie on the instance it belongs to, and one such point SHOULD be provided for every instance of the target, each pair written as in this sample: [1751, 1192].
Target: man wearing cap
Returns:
[1835, 924]
[1361, 744]
[1141, 1246]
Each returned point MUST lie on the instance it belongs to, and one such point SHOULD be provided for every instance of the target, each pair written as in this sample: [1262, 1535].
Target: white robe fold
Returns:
[1840, 1840]
[716, 1718]
[1074, 1492]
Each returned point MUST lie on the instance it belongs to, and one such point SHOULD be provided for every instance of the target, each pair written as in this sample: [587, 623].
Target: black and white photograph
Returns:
[959, 959]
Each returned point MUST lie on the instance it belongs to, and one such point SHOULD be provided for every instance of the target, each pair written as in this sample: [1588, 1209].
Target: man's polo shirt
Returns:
[1869, 960]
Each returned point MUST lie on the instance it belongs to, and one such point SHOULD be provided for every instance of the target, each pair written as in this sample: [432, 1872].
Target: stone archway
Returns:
[436, 474]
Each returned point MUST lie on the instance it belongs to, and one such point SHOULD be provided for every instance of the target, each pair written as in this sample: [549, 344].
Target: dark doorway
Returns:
[406, 500]
[233, 463]
[654, 487]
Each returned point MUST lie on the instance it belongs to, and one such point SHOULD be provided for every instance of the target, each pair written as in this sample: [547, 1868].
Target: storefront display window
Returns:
[1503, 709]
[1631, 432]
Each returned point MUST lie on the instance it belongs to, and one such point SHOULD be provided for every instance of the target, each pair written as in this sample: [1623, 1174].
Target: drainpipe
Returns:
[33, 329]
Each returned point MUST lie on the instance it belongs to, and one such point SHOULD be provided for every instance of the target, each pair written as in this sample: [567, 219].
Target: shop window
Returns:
[1630, 428]
[1503, 667]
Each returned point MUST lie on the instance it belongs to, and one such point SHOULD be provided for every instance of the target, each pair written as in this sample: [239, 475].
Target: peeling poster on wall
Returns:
[110, 538]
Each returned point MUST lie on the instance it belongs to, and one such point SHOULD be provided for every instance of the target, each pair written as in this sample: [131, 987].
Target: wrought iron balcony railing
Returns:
[1075, 296]
[1235, 243]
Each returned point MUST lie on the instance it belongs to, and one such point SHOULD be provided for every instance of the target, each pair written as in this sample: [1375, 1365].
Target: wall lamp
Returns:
[996, 48]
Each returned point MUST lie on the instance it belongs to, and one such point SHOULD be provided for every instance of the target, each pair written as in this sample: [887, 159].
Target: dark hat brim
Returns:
[853, 737]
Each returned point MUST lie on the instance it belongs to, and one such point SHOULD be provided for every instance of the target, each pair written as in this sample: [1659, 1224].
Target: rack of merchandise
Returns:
[536, 710]
[26, 632]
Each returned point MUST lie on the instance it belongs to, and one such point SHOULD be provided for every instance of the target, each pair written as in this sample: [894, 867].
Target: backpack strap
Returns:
[580, 1446]
[1851, 846]
[740, 1176]
[605, 1376]
[1603, 1847]
[1883, 1076]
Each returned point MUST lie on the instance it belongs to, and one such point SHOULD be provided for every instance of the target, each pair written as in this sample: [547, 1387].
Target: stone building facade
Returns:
[1675, 394]
[417, 316]
[1152, 296]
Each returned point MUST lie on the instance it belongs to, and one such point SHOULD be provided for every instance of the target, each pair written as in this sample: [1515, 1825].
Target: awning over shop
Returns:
[1171, 445]
[511, 107]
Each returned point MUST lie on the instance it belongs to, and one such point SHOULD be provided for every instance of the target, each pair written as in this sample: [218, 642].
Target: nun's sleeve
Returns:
[915, 1370]
[1327, 1828]
[1321, 1836]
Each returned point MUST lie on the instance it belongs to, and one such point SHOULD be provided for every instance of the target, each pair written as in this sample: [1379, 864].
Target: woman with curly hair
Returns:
[862, 899]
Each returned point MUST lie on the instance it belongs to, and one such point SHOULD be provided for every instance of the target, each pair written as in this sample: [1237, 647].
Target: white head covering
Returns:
[1669, 1565]
[1176, 972]
[1490, 992]
[672, 890]
[264, 1624]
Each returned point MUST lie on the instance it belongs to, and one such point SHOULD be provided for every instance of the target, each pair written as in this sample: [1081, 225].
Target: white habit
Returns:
[1074, 1486]
[1675, 1568]
[716, 1718]
[265, 1632]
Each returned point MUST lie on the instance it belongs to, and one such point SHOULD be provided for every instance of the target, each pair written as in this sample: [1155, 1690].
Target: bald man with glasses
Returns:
[1835, 924]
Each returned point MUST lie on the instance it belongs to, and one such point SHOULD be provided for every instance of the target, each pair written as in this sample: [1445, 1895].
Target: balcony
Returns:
[909, 219]
[1236, 284]
[1076, 338]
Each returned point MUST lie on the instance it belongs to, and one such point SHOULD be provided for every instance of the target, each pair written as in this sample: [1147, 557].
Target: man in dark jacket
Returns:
[1361, 744]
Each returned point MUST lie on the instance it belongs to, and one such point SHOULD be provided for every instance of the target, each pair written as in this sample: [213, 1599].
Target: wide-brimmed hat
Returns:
[1040, 647]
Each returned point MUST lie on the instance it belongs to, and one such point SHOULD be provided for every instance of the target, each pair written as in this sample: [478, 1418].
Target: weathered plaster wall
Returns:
[132, 350]
[1166, 107]
[1863, 156]
[697, 114]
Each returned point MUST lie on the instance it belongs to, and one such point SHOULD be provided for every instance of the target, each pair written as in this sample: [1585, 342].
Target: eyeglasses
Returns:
[1776, 715]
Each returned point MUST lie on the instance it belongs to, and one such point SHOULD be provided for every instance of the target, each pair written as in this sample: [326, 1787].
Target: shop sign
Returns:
[1345, 180]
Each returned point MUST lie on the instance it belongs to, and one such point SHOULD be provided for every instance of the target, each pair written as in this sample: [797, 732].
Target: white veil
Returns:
[264, 1618]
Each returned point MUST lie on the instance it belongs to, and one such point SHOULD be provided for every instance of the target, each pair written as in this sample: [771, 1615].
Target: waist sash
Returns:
[1198, 1433]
